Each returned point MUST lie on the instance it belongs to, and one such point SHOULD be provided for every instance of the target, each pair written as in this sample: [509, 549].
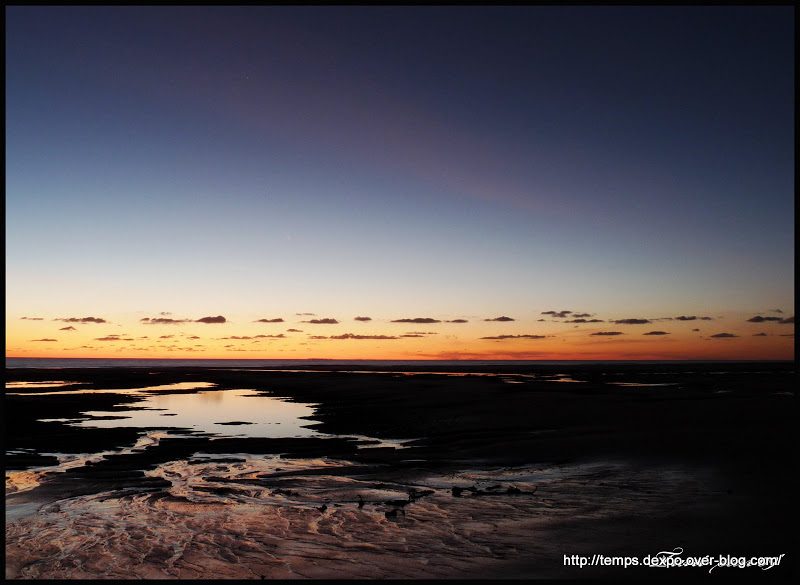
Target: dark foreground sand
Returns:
[541, 468]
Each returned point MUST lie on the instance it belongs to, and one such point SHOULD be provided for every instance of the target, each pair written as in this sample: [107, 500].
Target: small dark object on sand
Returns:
[322, 508]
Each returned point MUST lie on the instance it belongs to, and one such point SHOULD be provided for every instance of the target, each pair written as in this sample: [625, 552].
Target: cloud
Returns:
[516, 337]
[759, 334]
[607, 333]
[584, 321]
[317, 337]
[44, 339]
[109, 338]
[695, 330]
[326, 321]
[352, 336]
[163, 321]
[81, 320]
[760, 319]
[503, 318]
[33, 319]
[412, 335]
[631, 321]
[306, 314]
[776, 311]
[457, 321]
[278, 336]
[363, 318]
[656, 333]
[277, 320]
[217, 319]
[417, 320]
[559, 314]
[166, 336]
[685, 318]
[706, 318]
[581, 315]
[68, 328]
[724, 335]
[193, 337]
[787, 321]
[294, 331]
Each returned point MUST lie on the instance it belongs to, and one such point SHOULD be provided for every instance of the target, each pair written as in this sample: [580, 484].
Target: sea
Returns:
[18, 362]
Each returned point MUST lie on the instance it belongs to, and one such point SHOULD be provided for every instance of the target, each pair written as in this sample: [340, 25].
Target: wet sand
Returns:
[499, 473]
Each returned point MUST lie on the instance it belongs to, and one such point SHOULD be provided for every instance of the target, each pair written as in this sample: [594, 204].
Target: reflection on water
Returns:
[160, 388]
[23, 385]
[242, 413]
[638, 384]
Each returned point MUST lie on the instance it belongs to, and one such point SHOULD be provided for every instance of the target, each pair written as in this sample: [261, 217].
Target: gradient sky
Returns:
[400, 163]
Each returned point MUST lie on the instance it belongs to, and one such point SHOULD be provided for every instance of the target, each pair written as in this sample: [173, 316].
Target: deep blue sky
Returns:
[448, 160]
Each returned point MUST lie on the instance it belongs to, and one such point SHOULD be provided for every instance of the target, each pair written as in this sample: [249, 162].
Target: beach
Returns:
[435, 471]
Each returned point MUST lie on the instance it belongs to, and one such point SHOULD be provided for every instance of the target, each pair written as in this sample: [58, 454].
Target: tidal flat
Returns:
[420, 472]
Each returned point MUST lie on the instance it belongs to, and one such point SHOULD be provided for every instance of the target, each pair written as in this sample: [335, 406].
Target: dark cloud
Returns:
[217, 319]
[163, 321]
[417, 320]
[457, 321]
[109, 338]
[724, 335]
[759, 334]
[632, 321]
[166, 336]
[559, 314]
[685, 318]
[607, 333]
[695, 330]
[294, 331]
[706, 318]
[352, 336]
[363, 318]
[277, 320]
[192, 337]
[68, 328]
[776, 311]
[81, 320]
[44, 339]
[760, 319]
[317, 337]
[503, 318]
[33, 319]
[787, 321]
[412, 335]
[584, 321]
[656, 333]
[278, 336]
[787, 335]
[516, 337]
[581, 315]
[326, 321]
[237, 337]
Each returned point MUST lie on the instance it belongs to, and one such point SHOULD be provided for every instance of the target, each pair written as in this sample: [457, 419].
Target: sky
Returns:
[374, 182]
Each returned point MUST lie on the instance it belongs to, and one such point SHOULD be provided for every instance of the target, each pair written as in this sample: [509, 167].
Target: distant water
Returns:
[291, 364]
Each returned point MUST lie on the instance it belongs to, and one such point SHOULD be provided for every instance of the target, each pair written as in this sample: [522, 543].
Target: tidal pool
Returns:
[239, 413]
